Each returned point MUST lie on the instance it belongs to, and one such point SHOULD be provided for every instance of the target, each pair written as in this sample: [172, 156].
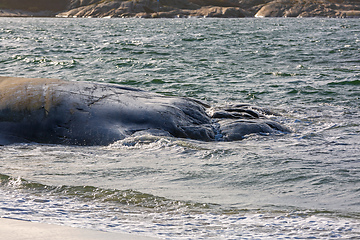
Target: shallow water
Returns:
[299, 185]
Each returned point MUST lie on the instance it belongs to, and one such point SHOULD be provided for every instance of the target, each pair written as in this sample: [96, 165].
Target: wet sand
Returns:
[26, 230]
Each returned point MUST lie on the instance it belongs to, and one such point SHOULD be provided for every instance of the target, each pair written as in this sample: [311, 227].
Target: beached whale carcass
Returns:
[87, 113]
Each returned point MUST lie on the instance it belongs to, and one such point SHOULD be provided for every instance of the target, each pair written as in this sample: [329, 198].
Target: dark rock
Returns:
[34, 5]
[80, 3]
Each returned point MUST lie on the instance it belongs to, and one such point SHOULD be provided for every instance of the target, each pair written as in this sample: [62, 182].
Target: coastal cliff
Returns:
[181, 8]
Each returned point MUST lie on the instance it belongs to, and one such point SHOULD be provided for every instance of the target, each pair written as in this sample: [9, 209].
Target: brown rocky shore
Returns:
[180, 8]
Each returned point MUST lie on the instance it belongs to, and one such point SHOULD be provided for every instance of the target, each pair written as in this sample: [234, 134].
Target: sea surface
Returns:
[301, 185]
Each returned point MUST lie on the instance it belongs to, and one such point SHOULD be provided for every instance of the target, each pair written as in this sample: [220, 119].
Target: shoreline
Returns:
[189, 8]
[16, 229]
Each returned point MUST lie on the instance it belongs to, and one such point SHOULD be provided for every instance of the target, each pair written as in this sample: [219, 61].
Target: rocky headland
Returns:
[180, 8]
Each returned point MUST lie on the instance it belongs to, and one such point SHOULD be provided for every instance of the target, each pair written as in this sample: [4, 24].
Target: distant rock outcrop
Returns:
[309, 8]
[181, 8]
[154, 9]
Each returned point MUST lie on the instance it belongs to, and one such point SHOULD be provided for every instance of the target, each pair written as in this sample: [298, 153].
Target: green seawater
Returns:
[300, 185]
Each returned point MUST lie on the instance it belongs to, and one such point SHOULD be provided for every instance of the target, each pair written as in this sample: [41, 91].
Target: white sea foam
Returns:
[177, 225]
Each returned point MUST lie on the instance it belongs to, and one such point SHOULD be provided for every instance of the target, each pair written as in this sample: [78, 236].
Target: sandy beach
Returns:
[26, 230]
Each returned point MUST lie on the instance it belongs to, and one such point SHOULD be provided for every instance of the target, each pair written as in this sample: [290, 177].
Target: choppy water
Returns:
[301, 185]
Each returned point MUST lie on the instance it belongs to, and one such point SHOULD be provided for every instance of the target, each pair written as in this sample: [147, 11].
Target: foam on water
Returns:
[174, 220]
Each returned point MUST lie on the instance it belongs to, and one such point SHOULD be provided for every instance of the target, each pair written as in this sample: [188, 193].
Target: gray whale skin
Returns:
[85, 113]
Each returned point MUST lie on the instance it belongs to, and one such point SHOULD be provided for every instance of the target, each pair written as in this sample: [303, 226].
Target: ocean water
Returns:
[302, 185]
